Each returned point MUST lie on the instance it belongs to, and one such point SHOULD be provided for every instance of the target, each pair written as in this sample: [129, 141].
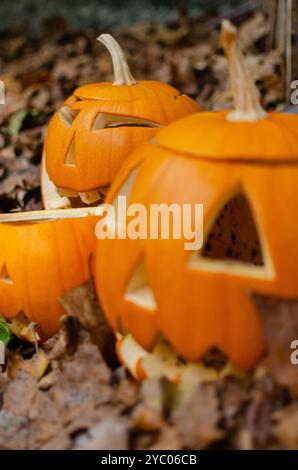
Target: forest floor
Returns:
[73, 393]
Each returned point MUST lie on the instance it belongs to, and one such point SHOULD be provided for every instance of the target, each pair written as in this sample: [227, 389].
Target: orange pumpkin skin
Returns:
[98, 154]
[41, 262]
[206, 159]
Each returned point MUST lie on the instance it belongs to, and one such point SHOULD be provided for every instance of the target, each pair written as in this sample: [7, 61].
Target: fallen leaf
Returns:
[82, 304]
[22, 328]
[110, 434]
[16, 122]
[286, 430]
[149, 414]
[198, 419]
[280, 327]
[35, 366]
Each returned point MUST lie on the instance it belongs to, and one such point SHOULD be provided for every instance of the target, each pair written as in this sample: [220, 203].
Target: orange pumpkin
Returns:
[44, 254]
[99, 126]
[243, 167]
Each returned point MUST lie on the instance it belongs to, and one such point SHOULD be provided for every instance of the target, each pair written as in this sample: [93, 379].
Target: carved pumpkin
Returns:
[43, 255]
[243, 167]
[99, 126]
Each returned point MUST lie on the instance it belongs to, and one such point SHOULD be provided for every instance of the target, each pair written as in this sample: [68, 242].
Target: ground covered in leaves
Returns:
[72, 393]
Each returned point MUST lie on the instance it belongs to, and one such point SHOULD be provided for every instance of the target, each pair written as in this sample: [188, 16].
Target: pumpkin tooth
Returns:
[90, 197]
[63, 192]
[162, 361]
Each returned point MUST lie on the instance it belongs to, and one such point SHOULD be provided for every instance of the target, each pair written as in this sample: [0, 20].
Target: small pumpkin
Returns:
[99, 126]
[243, 167]
[44, 254]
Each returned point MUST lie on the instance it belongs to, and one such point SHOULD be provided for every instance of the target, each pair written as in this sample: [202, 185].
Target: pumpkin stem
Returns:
[122, 73]
[49, 215]
[245, 93]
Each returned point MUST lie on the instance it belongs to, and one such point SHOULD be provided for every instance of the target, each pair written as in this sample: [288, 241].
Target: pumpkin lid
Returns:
[34, 217]
[210, 135]
[245, 133]
[107, 91]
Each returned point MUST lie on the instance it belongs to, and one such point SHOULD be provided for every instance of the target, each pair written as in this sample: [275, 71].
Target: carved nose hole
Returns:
[70, 156]
[138, 290]
[4, 275]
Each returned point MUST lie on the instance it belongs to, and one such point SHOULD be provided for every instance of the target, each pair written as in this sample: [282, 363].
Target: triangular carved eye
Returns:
[234, 235]
[106, 121]
[67, 115]
[138, 290]
[4, 275]
[233, 242]
[70, 156]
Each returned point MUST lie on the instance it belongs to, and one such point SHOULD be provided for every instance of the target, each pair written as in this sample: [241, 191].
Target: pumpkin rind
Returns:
[82, 159]
[224, 140]
[44, 260]
[208, 159]
[100, 153]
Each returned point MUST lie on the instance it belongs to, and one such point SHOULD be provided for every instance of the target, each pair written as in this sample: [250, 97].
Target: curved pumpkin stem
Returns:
[245, 93]
[122, 73]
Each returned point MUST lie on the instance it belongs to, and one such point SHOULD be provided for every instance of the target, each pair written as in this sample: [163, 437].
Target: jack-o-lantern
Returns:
[243, 167]
[99, 126]
[43, 255]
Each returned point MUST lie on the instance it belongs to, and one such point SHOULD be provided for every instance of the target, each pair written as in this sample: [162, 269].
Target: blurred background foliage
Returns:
[96, 14]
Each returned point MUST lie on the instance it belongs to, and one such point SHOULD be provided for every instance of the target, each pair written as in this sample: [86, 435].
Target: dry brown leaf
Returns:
[280, 327]
[22, 328]
[253, 30]
[286, 430]
[198, 419]
[258, 421]
[168, 439]
[19, 395]
[110, 434]
[35, 366]
[82, 304]
[149, 414]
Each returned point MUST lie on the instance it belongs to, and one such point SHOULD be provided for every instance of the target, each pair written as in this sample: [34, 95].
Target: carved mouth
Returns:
[162, 361]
